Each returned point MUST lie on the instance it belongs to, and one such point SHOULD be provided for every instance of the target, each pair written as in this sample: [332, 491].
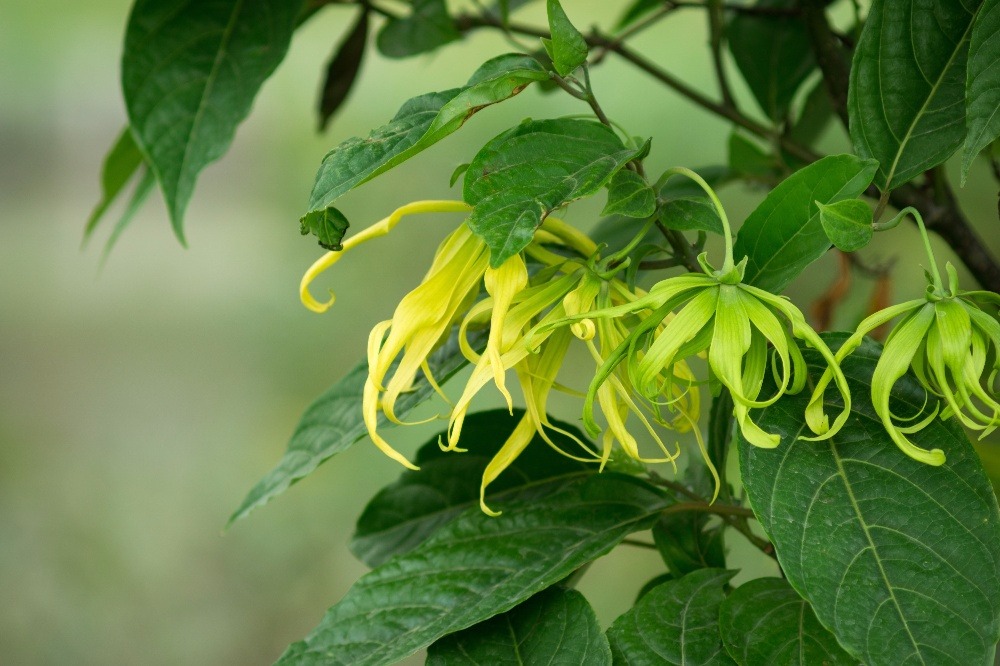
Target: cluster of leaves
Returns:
[885, 560]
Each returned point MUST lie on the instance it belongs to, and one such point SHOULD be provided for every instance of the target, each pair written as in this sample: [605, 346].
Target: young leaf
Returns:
[686, 545]
[629, 195]
[343, 69]
[121, 163]
[774, 55]
[556, 626]
[764, 621]
[567, 48]
[328, 225]
[475, 567]
[421, 122]
[906, 99]
[426, 28]
[190, 72]
[675, 623]
[847, 223]
[333, 424]
[525, 173]
[784, 234]
[404, 514]
[983, 84]
[900, 560]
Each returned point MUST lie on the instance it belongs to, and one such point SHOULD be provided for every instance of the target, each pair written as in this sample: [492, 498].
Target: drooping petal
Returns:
[503, 284]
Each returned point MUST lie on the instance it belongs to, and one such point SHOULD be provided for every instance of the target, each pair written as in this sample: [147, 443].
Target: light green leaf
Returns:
[421, 122]
[525, 173]
[765, 622]
[676, 623]
[556, 626]
[121, 163]
[190, 72]
[847, 223]
[567, 48]
[629, 195]
[426, 28]
[784, 234]
[691, 213]
[636, 10]
[404, 514]
[475, 567]
[142, 190]
[774, 55]
[333, 424]
[900, 560]
[906, 99]
[328, 225]
[982, 84]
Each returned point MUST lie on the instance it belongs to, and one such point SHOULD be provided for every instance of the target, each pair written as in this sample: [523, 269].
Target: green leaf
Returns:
[749, 161]
[122, 162]
[765, 622]
[333, 424]
[691, 213]
[900, 560]
[426, 28]
[636, 11]
[784, 234]
[404, 514]
[421, 122]
[567, 48]
[190, 72]
[630, 195]
[686, 545]
[816, 114]
[142, 190]
[476, 567]
[525, 173]
[774, 55]
[906, 99]
[983, 84]
[343, 69]
[674, 623]
[328, 225]
[847, 223]
[554, 626]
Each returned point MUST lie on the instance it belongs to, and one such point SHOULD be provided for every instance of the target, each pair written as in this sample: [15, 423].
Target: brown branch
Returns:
[828, 50]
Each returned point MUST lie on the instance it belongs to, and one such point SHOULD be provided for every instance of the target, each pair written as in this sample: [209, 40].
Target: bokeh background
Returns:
[142, 396]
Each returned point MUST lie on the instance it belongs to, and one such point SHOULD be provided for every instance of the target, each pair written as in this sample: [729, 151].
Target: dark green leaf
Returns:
[774, 55]
[816, 114]
[556, 626]
[691, 213]
[983, 84]
[784, 235]
[404, 514]
[749, 161]
[687, 544]
[652, 584]
[333, 424]
[630, 195]
[420, 123]
[522, 175]
[847, 223]
[764, 622]
[907, 90]
[675, 623]
[900, 560]
[190, 72]
[476, 567]
[121, 163]
[343, 69]
[328, 225]
[426, 28]
[567, 48]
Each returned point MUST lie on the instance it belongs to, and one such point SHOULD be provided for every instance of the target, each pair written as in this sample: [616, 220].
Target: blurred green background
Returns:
[141, 400]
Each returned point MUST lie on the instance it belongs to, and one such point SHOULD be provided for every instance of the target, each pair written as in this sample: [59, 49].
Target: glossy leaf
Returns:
[765, 622]
[475, 567]
[900, 560]
[784, 234]
[629, 195]
[333, 424]
[774, 55]
[120, 165]
[426, 28]
[691, 213]
[687, 544]
[847, 223]
[343, 69]
[190, 72]
[906, 99]
[676, 623]
[420, 123]
[567, 48]
[556, 626]
[525, 173]
[983, 84]
[404, 514]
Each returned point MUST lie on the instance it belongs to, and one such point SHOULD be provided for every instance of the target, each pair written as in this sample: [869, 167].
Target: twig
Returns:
[715, 27]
